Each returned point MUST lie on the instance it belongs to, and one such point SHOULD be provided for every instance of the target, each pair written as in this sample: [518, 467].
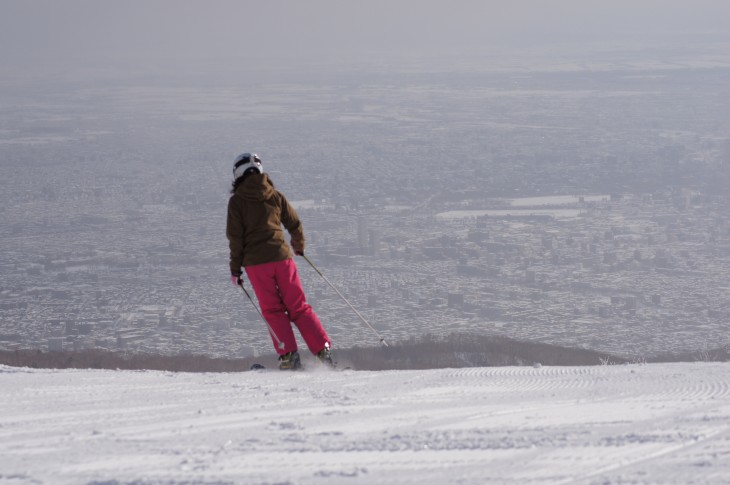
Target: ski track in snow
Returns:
[608, 424]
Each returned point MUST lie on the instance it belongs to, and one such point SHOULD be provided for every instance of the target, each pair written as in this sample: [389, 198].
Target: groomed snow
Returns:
[609, 424]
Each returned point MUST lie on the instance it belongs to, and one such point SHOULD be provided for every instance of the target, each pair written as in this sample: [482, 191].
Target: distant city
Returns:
[580, 206]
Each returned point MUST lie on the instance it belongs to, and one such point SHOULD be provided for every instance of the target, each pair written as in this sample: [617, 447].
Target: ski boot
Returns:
[324, 356]
[290, 361]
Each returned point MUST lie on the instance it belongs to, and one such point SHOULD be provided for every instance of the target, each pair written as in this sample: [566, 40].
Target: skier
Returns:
[256, 212]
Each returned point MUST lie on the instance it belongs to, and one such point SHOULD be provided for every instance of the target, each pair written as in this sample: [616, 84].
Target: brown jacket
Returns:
[256, 212]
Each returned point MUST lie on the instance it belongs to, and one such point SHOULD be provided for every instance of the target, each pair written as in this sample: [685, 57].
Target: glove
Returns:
[298, 248]
[236, 279]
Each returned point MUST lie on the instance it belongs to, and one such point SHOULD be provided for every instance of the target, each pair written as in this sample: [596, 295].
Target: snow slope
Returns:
[611, 424]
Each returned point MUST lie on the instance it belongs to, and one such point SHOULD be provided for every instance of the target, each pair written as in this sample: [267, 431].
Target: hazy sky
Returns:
[46, 30]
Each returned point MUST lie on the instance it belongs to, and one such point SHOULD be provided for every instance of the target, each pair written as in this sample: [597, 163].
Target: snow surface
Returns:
[608, 424]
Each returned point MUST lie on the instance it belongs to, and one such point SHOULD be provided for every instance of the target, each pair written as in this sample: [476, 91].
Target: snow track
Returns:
[609, 424]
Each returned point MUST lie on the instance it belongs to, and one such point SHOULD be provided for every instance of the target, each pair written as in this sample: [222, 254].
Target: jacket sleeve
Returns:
[290, 219]
[234, 232]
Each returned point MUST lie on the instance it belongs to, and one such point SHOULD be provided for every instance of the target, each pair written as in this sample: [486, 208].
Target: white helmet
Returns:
[245, 164]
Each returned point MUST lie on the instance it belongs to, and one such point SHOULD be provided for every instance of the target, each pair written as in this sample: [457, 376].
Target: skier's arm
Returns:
[290, 219]
[234, 232]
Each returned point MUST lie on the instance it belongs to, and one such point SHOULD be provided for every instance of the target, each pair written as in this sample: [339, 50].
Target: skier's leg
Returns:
[263, 280]
[300, 312]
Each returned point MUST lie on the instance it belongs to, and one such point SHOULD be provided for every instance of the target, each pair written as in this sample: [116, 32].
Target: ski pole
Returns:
[279, 343]
[382, 340]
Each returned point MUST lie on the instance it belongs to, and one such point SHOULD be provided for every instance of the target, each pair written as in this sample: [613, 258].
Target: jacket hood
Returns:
[257, 186]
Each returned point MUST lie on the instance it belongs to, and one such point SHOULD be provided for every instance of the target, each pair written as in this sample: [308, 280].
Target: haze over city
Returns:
[77, 32]
[549, 171]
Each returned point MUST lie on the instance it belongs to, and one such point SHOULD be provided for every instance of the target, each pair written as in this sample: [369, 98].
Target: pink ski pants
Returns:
[280, 294]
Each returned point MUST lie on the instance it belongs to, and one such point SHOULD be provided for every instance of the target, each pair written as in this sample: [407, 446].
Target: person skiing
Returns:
[256, 213]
